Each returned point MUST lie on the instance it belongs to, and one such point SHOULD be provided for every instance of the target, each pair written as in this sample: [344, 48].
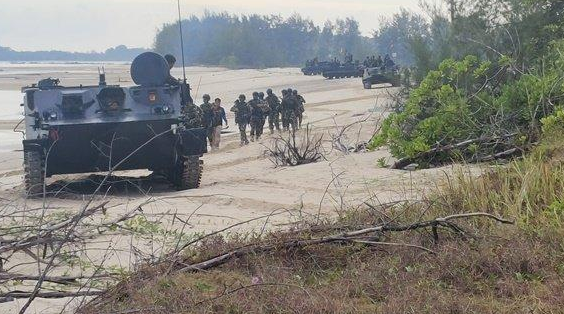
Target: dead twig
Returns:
[342, 237]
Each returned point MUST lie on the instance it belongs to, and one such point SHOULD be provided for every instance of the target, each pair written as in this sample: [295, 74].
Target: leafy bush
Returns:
[489, 104]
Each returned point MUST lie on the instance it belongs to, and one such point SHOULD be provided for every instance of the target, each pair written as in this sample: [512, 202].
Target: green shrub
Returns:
[471, 99]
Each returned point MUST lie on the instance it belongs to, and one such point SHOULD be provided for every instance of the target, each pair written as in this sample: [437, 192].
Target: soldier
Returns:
[218, 118]
[388, 62]
[274, 114]
[256, 106]
[172, 81]
[301, 108]
[289, 109]
[265, 111]
[379, 61]
[171, 60]
[207, 115]
[242, 117]
[283, 111]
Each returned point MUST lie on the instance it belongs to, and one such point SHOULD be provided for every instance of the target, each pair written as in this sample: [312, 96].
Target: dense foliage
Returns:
[261, 41]
[493, 99]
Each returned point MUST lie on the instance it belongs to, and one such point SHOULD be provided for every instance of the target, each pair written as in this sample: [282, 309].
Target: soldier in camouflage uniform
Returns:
[283, 110]
[289, 109]
[300, 113]
[256, 107]
[265, 111]
[274, 114]
[242, 117]
[207, 115]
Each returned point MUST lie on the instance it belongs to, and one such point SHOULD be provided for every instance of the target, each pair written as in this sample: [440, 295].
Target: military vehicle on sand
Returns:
[343, 71]
[381, 75]
[316, 68]
[101, 128]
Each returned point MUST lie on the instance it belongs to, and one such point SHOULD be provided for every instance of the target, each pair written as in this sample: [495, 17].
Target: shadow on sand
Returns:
[80, 186]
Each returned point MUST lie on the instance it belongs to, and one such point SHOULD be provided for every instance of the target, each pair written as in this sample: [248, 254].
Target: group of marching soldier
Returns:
[211, 116]
[254, 113]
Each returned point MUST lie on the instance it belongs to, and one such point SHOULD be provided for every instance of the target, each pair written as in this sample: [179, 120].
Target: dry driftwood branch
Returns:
[342, 237]
[427, 155]
[53, 279]
[10, 296]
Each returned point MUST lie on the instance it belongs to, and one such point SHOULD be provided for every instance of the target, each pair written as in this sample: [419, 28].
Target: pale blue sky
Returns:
[84, 25]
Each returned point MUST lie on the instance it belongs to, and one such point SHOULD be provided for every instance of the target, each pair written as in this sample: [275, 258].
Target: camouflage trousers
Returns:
[274, 122]
[289, 119]
[257, 127]
[243, 133]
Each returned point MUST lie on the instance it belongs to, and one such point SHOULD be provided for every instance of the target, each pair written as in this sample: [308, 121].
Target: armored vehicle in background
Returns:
[343, 71]
[101, 128]
[381, 75]
[316, 68]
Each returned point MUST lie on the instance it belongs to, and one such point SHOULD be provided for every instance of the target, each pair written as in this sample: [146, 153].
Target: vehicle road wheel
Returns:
[34, 172]
[188, 173]
[367, 85]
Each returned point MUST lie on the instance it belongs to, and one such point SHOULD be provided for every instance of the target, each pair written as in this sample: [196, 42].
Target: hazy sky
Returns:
[85, 25]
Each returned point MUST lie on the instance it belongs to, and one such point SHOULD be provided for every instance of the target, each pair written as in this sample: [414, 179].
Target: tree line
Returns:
[261, 41]
[119, 53]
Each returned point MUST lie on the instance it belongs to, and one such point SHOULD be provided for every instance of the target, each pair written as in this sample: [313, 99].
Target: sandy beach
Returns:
[239, 183]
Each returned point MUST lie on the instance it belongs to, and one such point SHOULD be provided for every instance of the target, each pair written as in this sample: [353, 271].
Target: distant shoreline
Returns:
[79, 62]
[117, 54]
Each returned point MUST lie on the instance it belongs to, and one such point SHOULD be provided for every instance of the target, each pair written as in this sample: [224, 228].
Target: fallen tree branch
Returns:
[403, 162]
[10, 296]
[63, 280]
[342, 237]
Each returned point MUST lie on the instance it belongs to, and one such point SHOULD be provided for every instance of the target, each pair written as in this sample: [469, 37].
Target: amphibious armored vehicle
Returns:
[343, 71]
[317, 68]
[101, 128]
[381, 75]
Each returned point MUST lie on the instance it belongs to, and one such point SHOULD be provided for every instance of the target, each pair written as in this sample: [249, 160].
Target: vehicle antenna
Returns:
[181, 42]
[198, 88]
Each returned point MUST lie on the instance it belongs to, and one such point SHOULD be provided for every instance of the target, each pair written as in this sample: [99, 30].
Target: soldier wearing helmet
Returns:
[207, 115]
[289, 107]
[256, 105]
[274, 114]
[301, 109]
[242, 117]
